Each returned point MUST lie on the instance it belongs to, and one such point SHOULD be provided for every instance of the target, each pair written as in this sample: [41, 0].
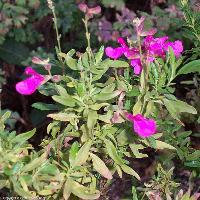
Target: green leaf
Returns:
[45, 192]
[17, 188]
[48, 169]
[37, 162]
[98, 106]
[135, 149]
[92, 119]
[116, 63]
[64, 117]
[66, 101]
[44, 106]
[108, 89]
[130, 171]
[83, 192]
[112, 152]
[73, 152]
[82, 154]
[191, 67]
[71, 62]
[13, 52]
[99, 55]
[5, 116]
[106, 96]
[67, 190]
[134, 193]
[177, 107]
[23, 137]
[193, 156]
[163, 145]
[100, 166]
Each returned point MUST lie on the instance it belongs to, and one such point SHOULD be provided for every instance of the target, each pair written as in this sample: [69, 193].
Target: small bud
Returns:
[50, 4]
[83, 7]
[39, 61]
[56, 78]
[95, 11]
[47, 67]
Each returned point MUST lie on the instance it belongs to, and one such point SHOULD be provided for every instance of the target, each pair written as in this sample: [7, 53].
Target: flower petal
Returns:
[137, 66]
[114, 53]
[144, 127]
[29, 85]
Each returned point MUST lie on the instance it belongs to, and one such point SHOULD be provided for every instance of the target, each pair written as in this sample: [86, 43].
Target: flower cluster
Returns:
[148, 50]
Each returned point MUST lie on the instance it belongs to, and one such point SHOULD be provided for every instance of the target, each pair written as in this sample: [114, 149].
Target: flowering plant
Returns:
[105, 113]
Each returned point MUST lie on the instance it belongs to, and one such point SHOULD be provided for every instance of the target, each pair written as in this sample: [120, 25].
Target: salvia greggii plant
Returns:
[106, 112]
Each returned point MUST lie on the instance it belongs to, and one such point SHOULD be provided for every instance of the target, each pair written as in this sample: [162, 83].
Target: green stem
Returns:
[56, 28]
[58, 37]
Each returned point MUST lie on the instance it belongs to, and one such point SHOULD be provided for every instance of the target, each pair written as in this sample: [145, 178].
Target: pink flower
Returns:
[157, 47]
[137, 66]
[31, 84]
[177, 47]
[142, 126]
[89, 11]
[130, 53]
[114, 53]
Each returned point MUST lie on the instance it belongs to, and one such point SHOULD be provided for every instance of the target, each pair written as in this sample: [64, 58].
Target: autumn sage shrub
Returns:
[105, 112]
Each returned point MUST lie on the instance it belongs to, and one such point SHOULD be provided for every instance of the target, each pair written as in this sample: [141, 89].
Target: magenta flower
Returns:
[137, 66]
[130, 53]
[114, 53]
[142, 126]
[31, 84]
[177, 47]
[157, 47]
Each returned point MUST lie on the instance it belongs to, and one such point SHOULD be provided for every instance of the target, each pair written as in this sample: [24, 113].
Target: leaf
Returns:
[82, 154]
[73, 152]
[177, 107]
[116, 63]
[191, 67]
[17, 188]
[92, 119]
[45, 192]
[67, 190]
[134, 193]
[193, 156]
[99, 55]
[100, 166]
[83, 192]
[135, 149]
[23, 137]
[71, 62]
[130, 171]
[64, 117]
[48, 169]
[112, 152]
[106, 96]
[66, 101]
[44, 106]
[163, 145]
[5, 116]
[37, 162]
[137, 107]
[13, 52]
[98, 106]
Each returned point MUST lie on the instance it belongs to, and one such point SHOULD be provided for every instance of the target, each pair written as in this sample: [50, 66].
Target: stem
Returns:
[87, 34]
[144, 74]
[56, 27]
[58, 37]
